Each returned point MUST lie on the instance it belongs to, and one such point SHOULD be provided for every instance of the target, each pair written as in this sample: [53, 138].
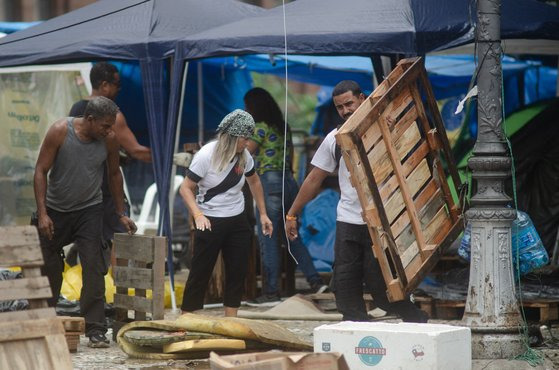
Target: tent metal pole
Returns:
[174, 169]
[557, 89]
[200, 104]
[377, 70]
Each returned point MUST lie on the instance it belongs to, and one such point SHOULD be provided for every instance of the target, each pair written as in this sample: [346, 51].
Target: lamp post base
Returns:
[496, 343]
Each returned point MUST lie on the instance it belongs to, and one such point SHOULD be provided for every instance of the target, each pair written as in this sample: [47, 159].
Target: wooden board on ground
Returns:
[32, 344]
[204, 345]
[394, 146]
[158, 338]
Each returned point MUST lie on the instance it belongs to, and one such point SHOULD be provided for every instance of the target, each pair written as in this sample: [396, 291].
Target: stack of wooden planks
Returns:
[73, 328]
[33, 338]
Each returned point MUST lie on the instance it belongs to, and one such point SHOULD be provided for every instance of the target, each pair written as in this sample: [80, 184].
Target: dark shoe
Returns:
[98, 341]
[423, 317]
[265, 301]
[419, 317]
[320, 288]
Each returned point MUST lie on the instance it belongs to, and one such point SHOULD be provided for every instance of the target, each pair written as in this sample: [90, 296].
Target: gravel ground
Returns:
[114, 358]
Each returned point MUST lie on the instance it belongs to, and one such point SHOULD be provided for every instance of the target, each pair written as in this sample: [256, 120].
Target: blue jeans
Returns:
[270, 247]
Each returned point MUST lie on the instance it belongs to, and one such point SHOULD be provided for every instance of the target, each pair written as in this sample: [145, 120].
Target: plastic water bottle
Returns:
[464, 248]
[527, 245]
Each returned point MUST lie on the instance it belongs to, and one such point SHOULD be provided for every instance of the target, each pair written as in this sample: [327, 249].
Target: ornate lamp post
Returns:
[491, 307]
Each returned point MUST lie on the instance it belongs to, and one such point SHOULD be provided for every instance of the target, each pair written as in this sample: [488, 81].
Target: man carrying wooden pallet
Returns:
[354, 262]
[70, 209]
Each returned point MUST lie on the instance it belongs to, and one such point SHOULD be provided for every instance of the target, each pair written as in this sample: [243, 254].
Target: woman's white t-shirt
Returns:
[349, 208]
[219, 193]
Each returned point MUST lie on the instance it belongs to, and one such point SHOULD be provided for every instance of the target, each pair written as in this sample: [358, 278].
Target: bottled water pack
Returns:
[528, 251]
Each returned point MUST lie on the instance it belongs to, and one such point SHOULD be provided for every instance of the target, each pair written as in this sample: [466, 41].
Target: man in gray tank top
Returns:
[70, 209]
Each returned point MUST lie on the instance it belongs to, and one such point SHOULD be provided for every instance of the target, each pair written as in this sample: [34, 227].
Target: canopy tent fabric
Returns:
[124, 29]
[144, 30]
[366, 27]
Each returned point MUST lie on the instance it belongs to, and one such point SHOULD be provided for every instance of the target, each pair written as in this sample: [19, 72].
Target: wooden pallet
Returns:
[394, 146]
[32, 338]
[147, 256]
[546, 310]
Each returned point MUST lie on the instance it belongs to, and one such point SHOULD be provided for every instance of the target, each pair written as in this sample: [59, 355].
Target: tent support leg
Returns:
[174, 171]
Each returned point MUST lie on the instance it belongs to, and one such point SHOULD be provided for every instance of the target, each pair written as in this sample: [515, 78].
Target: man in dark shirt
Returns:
[105, 81]
[69, 208]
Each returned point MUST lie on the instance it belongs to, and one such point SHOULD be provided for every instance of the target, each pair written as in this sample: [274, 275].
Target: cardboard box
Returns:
[397, 346]
[275, 360]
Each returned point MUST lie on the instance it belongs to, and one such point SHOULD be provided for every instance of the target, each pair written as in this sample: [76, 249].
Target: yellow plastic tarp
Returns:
[72, 286]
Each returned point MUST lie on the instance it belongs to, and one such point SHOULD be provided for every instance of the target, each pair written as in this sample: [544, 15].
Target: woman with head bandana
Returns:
[219, 170]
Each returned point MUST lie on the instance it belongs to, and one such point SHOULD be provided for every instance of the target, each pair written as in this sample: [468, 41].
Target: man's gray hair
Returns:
[100, 107]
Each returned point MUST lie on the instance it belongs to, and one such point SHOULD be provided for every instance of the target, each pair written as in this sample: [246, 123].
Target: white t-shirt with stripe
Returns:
[349, 209]
[219, 193]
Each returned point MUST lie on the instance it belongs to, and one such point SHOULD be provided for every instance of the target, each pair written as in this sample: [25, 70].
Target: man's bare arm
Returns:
[308, 191]
[128, 141]
[116, 183]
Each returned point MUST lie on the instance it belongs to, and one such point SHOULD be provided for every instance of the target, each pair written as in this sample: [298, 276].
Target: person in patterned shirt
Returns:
[267, 147]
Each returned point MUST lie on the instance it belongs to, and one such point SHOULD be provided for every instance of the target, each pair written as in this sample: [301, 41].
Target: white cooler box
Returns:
[368, 345]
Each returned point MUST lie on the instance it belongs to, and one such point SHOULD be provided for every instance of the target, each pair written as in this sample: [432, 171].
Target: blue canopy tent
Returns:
[144, 30]
[366, 27]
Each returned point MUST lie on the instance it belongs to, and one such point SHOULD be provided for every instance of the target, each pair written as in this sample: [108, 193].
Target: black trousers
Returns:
[231, 236]
[354, 263]
[85, 228]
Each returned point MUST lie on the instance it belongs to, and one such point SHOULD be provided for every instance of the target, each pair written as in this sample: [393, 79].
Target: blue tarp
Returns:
[318, 228]
[11, 27]
[223, 90]
[450, 77]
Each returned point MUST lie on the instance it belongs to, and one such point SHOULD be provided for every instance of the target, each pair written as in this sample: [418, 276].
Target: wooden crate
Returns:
[33, 338]
[394, 146]
[140, 265]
